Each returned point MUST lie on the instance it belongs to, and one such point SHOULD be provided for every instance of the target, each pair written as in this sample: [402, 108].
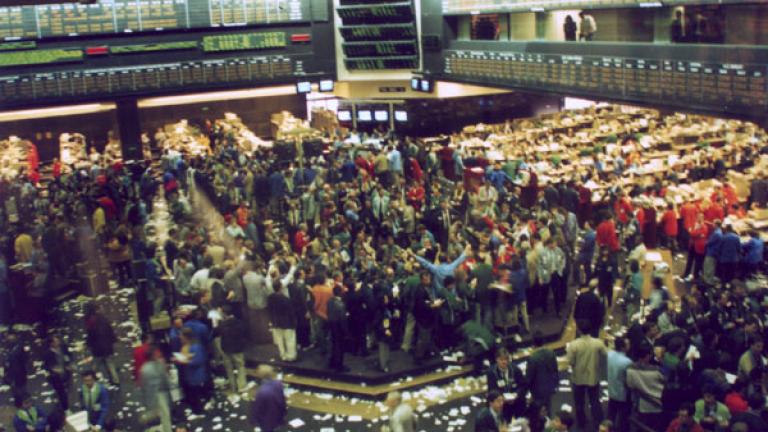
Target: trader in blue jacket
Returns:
[753, 249]
[94, 397]
[193, 361]
[729, 256]
[29, 418]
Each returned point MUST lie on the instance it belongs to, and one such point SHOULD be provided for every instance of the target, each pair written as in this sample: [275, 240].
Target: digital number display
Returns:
[130, 16]
[244, 41]
[378, 35]
[728, 87]
[20, 45]
[382, 63]
[163, 46]
[37, 57]
[104, 82]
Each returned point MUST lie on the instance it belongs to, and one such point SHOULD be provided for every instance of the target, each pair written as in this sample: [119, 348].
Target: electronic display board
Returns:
[52, 86]
[244, 41]
[20, 45]
[39, 57]
[152, 47]
[460, 7]
[378, 34]
[373, 63]
[732, 82]
[130, 16]
[384, 48]
[355, 33]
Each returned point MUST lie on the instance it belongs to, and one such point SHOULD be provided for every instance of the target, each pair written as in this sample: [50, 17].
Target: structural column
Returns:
[130, 129]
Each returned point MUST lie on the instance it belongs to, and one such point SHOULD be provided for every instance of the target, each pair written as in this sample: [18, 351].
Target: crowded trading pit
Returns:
[646, 229]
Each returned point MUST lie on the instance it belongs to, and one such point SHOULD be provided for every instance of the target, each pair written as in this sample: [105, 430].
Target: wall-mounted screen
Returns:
[344, 115]
[401, 116]
[303, 87]
[364, 115]
[381, 115]
[326, 85]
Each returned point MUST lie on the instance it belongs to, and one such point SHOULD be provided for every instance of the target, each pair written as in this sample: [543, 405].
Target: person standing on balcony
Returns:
[587, 27]
[569, 28]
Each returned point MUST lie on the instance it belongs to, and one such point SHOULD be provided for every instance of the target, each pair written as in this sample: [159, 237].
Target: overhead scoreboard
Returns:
[379, 34]
[718, 79]
[131, 16]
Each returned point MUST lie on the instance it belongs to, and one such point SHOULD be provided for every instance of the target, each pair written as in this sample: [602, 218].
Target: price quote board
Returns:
[719, 86]
[130, 16]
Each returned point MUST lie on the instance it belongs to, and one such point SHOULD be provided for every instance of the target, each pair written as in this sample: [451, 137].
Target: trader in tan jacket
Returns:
[586, 355]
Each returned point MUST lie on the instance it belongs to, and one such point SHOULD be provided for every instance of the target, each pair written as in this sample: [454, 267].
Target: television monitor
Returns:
[381, 115]
[344, 115]
[326, 85]
[401, 116]
[303, 87]
[425, 85]
[415, 84]
[364, 115]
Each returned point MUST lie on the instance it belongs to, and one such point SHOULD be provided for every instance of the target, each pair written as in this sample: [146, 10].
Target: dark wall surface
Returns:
[44, 132]
[254, 112]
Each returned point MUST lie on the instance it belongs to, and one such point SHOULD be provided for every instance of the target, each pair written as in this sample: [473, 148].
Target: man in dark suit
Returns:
[337, 322]
[508, 380]
[489, 419]
[541, 374]
[440, 220]
[589, 311]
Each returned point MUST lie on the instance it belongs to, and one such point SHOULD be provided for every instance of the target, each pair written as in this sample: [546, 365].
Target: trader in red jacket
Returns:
[606, 235]
[698, 247]
[669, 227]
[689, 212]
[623, 208]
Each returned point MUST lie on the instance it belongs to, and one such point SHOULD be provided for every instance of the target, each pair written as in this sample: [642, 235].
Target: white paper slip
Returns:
[179, 356]
[355, 418]
[296, 423]
[653, 256]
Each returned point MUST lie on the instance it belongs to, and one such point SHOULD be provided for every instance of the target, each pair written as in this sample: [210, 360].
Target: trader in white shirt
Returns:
[587, 27]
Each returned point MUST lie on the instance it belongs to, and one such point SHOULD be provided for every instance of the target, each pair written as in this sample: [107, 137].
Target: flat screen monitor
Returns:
[344, 115]
[303, 87]
[381, 115]
[425, 85]
[326, 85]
[364, 115]
[415, 84]
[401, 116]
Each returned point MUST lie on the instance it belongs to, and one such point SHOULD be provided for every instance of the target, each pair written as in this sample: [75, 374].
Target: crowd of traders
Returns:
[384, 247]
